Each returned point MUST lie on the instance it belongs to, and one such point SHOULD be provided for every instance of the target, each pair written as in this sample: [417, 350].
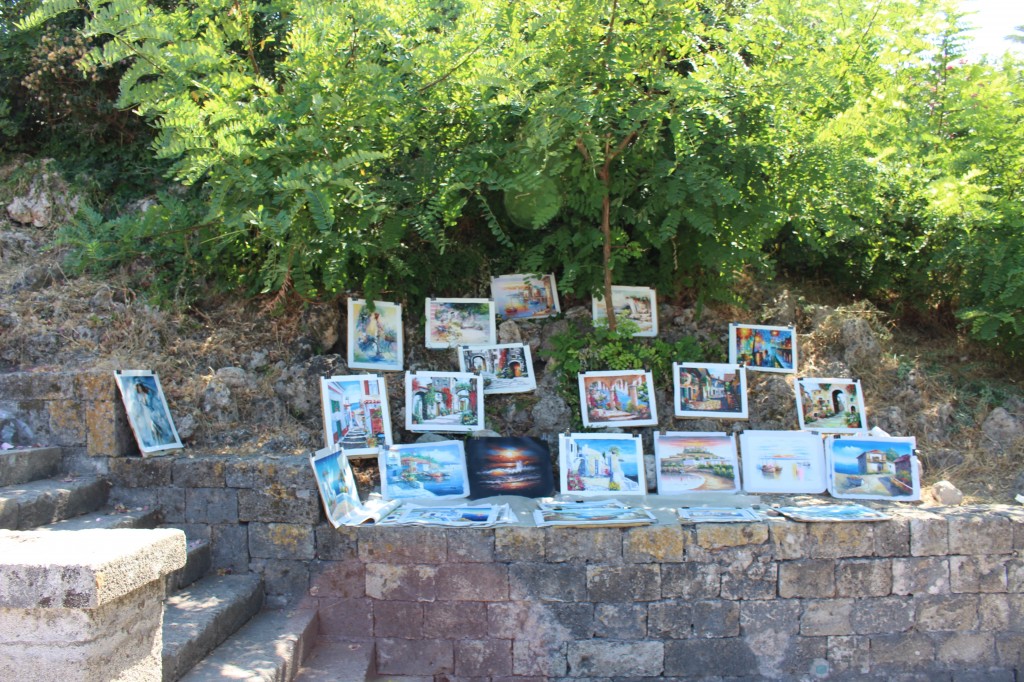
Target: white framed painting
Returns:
[424, 471]
[709, 389]
[617, 398]
[830, 405]
[637, 304]
[356, 414]
[148, 414]
[601, 464]
[451, 402]
[782, 462]
[505, 367]
[873, 468]
[374, 336]
[455, 322]
[763, 348]
[525, 297]
[696, 462]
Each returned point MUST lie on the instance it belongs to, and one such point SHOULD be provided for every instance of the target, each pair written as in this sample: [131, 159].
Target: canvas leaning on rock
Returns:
[148, 414]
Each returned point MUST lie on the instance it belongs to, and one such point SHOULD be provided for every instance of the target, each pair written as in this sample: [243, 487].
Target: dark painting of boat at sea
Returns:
[509, 466]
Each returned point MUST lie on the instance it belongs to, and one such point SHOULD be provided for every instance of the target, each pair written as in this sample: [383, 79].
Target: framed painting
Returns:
[374, 336]
[782, 462]
[830, 405]
[444, 401]
[356, 414]
[873, 468]
[424, 471]
[617, 398]
[338, 491]
[148, 414]
[504, 368]
[763, 348]
[709, 389]
[601, 464]
[637, 304]
[509, 466]
[455, 322]
[695, 462]
[525, 297]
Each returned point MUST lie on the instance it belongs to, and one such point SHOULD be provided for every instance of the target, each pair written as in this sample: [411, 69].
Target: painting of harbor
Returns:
[374, 336]
[525, 297]
[763, 348]
[782, 462]
[443, 401]
[509, 466]
[830, 405]
[455, 322]
[597, 464]
[637, 304]
[706, 389]
[870, 468]
[356, 415]
[617, 398]
[504, 368]
[424, 470]
[694, 462]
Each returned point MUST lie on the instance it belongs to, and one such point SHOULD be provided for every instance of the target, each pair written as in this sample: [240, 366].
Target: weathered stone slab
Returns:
[29, 464]
[616, 659]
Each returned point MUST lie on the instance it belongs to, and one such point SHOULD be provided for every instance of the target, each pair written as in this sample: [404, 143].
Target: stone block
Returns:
[1010, 649]
[592, 545]
[470, 545]
[911, 651]
[545, 621]
[170, 501]
[707, 658]
[883, 615]
[864, 577]
[839, 540]
[823, 617]
[929, 535]
[715, 618]
[616, 659]
[199, 472]
[813, 578]
[548, 582]
[211, 505]
[284, 578]
[483, 657]
[472, 582]
[788, 539]
[947, 613]
[415, 656]
[691, 581]
[404, 545]
[141, 472]
[980, 573]
[398, 619]
[69, 426]
[749, 576]
[635, 582]
[993, 612]
[276, 503]
[343, 619]
[849, 655]
[774, 616]
[229, 545]
[108, 433]
[660, 544]
[670, 620]
[342, 579]
[280, 541]
[337, 544]
[289, 471]
[892, 538]
[967, 649]
[519, 544]
[713, 536]
[535, 656]
[920, 575]
[403, 582]
[87, 386]
[980, 534]
[456, 619]
[620, 621]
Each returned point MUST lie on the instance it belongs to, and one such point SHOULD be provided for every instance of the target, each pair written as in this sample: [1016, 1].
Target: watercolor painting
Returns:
[782, 462]
[763, 348]
[601, 514]
[505, 368]
[356, 414]
[709, 389]
[638, 304]
[873, 468]
[374, 336]
[455, 322]
[599, 464]
[617, 398]
[831, 513]
[148, 414]
[831, 405]
[509, 466]
[694, 462]
[525, 297]
[444, 401]
[718, 514]
[424, 471]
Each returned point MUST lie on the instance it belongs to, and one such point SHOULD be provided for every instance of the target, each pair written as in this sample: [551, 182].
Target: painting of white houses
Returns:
[873, 468]
[637, 304]
[443, 401]
[505, 368]
[598, 464]
[830, 405]
[617, 398]
[356, 414]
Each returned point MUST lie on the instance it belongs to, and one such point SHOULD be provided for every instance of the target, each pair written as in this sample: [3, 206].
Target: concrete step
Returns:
[110, 518]
[199, 618]
[29, 505]
[269, 648]
[28, 464]
[333, 661]
[197, 564]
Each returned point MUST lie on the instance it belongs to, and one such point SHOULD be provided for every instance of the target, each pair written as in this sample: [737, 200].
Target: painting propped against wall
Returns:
[831, 405]
[694, 462]
[505, 368]
[601, 464]
[782, 462]
[709, 389]
[337, 486]
[638, 304]
[356, 414]
[525, 297]
[873, 468]
[455, 322]
[148, 414]
[617, 398]
[424, 471]
[374, 336]
[444, 401]
[763, 348]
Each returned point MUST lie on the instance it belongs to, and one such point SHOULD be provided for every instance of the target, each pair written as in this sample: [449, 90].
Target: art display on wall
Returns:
[424, 471]
[525, 297]
[873, 468]
[601, 464]
[638, 304]
[782, 462]
[374, 336]
[832, 513]
[763, 348]
[338, 491]
[509, 466]
[606, 513]
[694, 462]
[718, 514]
[148, 414]
[504, 368]
[356, 414]
[709, 389]
[617, 398]
[830, 405]
[455, 322]
[444, 401]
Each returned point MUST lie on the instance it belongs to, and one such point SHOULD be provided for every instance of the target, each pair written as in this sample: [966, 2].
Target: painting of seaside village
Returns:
[617, 398]
[638, 304]
[763, 348]
[782, 462]
[871, 468]
[424, 471]
[509, 466]
[830, 405]
[374, 336]
[455, 322]
[356, 415]
[693, 462]
[598, 464]
[505, 368]
[705, 389]
[443, 401]
[525, 297]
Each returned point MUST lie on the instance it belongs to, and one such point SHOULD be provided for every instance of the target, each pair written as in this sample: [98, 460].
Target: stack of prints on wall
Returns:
[457, 516]
[356, 414]
[338, 492]
[148, 414]
[831, 513]
[605, 513]
[718, 514]
[525, 297]
[374, 336]
[637, 304]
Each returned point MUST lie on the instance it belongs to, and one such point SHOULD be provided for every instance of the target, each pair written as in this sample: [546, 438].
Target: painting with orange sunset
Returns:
[509, 466]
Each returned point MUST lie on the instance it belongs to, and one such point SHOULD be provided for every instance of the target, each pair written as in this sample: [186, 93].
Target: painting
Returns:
[338, 491]
[444, 401]
[424, 471]
[509, 466]
[763, 348]
[831, 513]
[454, 516]
[148, 414]
[831, 405]
[637, 304]
[356, 414]
[617, 398]
[505, 368]
[694, 462]
[455, 322]
[525, 297]
[599, 464]
[601, 514]
[718, 514]
[873, 468]
[709, 389]
[374, 336]
[782, 462]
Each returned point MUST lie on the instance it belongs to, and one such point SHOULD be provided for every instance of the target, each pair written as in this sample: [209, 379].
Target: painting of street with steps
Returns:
[356, 414]
[617, 398]
[374, 336]
[148, 414]
[424, 471]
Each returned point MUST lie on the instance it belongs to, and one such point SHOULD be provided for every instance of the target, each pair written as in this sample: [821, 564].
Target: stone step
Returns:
[198, 563]
[334, 661]
[199, 618]
[29, 505]
[110, 518]
[28, 464]
[269, 648]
